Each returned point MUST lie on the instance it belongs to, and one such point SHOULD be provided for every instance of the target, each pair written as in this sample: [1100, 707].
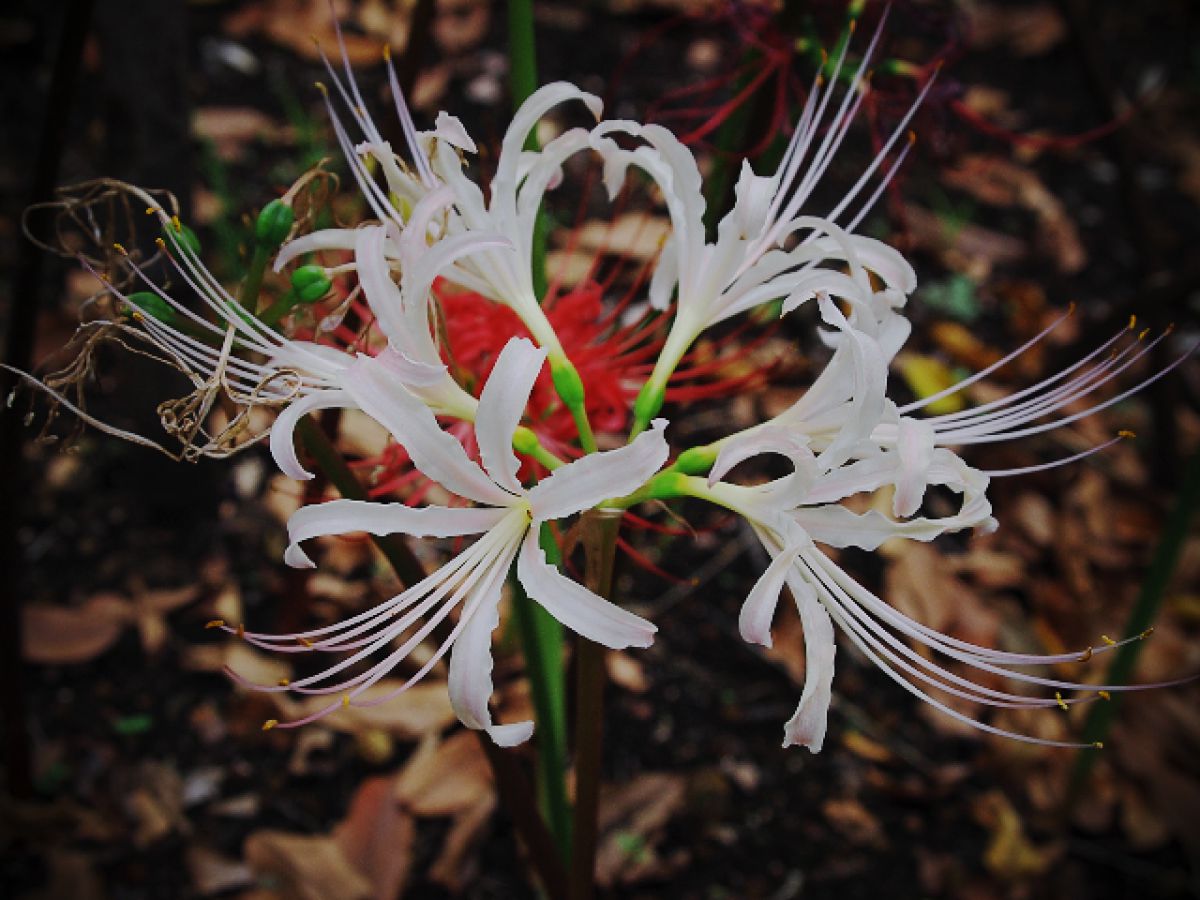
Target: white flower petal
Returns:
[501, 406]
[328, 239]
[808, 725]
[470, 675]
[754, 621]
[582, 484]
[914, 446]
[450, 129]
[437, 454]
[282, 440]
[575, 606]
[346, 516]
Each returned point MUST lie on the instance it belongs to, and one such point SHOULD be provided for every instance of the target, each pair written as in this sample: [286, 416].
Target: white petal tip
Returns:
[511, 735]
[297, 558]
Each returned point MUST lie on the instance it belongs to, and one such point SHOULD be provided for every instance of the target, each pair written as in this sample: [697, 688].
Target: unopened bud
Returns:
[524, 440]
[567, 382]
[310, 284]
[696, 461]
[274, 223]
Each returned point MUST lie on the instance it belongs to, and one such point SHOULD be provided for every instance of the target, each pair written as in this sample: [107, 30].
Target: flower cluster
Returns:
[436, 234]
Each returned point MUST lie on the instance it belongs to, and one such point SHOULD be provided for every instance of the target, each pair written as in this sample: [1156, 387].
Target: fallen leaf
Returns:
[927, 376]
[310, 867]
[1010, 854]
[58, 635]
[854, 822]
[213, 873]
[637, 235]
[443, 778]
[422, 709]
[377, 837]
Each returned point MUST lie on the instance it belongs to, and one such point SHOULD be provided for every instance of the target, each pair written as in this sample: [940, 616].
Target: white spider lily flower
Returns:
[507, 515]
[826, 595]
[515, 196]
[765, 249]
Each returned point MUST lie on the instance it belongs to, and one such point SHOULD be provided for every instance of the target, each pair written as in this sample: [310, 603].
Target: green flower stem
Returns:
[511, 783]
[600, 528]
[248, 295]
[542, 640]
[1141, 620]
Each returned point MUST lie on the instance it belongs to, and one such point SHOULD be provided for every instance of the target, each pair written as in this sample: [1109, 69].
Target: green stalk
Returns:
[542, 638]
[1141, 619]
[600, 528]
[541, 634]
[248, 295]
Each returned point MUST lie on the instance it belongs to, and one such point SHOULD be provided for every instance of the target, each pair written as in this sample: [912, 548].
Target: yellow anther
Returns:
[912, 137]
[1170, 328]
[176, 224]
[241, 630]
[1085, 656]
[1099, 745]
[1142, 335]
[1108, 640]
[1071, 308]
[824, 58]
[853, 24]
[321, 87]
[1132, 322]
[345, 700]
[387, 52]
[305, 641]
[1058, 698]
[1145, 634]
[150, 210]
[1104, 695]
[137, 316]
[283, 682]
[120, 249]
[215, 623]
[162, 245]
[1126, 433]
[269, 724]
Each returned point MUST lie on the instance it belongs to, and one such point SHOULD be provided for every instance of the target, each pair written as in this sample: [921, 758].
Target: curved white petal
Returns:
[450, 129]
[346, 516]
[808, 725]
[501, 406]
[282, 440]
[328, 239]
[470, 675]
[914, 446]
[754, 621]
[575, 606]
[437, 454]
[582, 484]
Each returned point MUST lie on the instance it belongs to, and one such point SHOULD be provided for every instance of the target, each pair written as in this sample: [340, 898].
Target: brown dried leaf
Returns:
[310, 867]
[377, 837]
[213, 873]
[444, 778]
[627, 672]
[422, 709]
[57, 635]
[455, 867]
[637, 235]
[854, 822]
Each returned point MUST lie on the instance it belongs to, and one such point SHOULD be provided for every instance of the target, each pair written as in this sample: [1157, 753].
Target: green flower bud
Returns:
[274, 223]
[567, 382]
[696, 461]
[524, 440]
[152, 305]
[310, 284]
[177, 233]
